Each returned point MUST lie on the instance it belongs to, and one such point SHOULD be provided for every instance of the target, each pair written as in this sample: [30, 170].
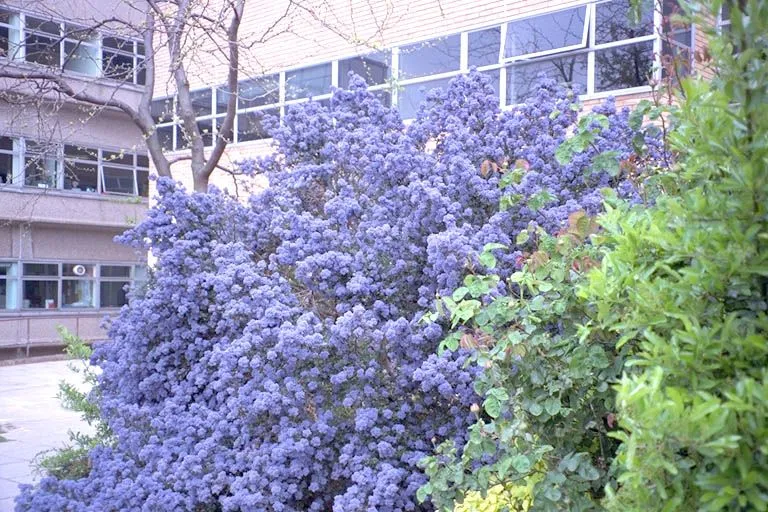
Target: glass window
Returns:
[438, 55]
[77, 270]
[411, 96]
[484, 47]
[256, 92]
[141, 72]
[142, 181]
[165, 134]
[250, 125]
[623, 67]
[546, 32]
[614, 21]
[201, 102]
[162, 110]
[523, 79]
[42, 48]
[142, 160]
[9, 33]
[374, 68]
[306, 82]
[118, 66]
[41, 269]
[8, 285]
[40, 166]
[8, 160]
[115, 271]
[118, 180]
[205, 127]
[118, 43]
[40, 294]
[81, 176]
[77, 293]
[81, 57]
[113, 294]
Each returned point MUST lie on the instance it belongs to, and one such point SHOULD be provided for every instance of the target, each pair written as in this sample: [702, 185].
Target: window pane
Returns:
[495, 77]
[256, 92]
[484, 47]
[117, 157]
[250, 125]
[430, 57]
[40, 294]
[81, 176]
[675, 58]
[6, 168]
[81, 58]
[77, 270]
[523, 79]
[141, 72]
[41, 269]
[142, 180]
[117, 65]
[165, 134]
[118, 181]
[42, 49]
[6, 143]
[118, 43]
[8, 293]
[306, 82]
[8, 269]
[45, 26]
[161, 110]
[113, 294]
[201, 102]
[205, 127]
[623, 67]
[115, 271]
[40, 171]
[81, 153]
[411, 96]
[142, 160]
[613, 21]
[374, 68]
[546, 32]
[77, 294]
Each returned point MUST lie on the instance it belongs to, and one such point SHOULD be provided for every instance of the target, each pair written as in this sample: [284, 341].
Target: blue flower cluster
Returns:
[276, 360]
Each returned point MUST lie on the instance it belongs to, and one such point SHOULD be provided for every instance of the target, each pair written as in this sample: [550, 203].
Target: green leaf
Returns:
[521, 463]
[492, 406]
[608, 162]
[459, 293]
[552, 405]
[522, 237]
[535, 408]
[540, 199]
[423, 491]
[487, 259]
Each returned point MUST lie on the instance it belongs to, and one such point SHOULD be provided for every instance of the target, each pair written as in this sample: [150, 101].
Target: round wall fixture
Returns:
[78, 270]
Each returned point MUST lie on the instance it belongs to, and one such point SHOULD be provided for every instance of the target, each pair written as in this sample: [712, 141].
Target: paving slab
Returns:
[33, 419]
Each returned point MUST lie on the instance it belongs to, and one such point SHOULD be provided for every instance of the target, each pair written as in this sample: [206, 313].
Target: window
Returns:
[484, 47]
[548, 33]
[523, 79]
[677, 41]
[123, 59]
[8, 285]
[250, 124]
[40, 165]
[118, 180]
[623, 67]
[42, 42]
[81, 51]
[257, 92]
[431, 57]
[308, 82]
[41, 286]
[411, 96]
[374, 68]
[202, 102]
[114, 283]
[9, 160]
[77, 286]
[614, 21]
[81, 169]
[10, 34]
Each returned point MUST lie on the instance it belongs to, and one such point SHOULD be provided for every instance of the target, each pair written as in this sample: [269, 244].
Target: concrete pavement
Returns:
[33, 419]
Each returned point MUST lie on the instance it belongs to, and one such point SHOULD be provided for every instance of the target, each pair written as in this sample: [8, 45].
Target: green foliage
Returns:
[71, 461]
[547, 411]
[683, 287]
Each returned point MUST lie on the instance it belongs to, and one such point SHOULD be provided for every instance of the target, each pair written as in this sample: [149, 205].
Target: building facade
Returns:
[72, 176]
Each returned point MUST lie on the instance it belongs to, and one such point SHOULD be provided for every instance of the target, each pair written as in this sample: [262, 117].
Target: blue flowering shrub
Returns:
[276, 360]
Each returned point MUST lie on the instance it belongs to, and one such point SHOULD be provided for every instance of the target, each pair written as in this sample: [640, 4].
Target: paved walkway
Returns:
[33, 419]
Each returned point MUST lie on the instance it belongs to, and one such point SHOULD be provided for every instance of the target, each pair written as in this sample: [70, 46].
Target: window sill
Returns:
[123, 198]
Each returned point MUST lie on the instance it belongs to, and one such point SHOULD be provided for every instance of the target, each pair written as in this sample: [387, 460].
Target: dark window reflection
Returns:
[250, 125]
[623, 67]
[374, 68]
[256, 92]
[165, 134]
[201, 102]
[81, 176]
[484, 47]
[411, 96]
[306, 82]
[546, 32]
[523, 79]
[430, 57]
[614, 21]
